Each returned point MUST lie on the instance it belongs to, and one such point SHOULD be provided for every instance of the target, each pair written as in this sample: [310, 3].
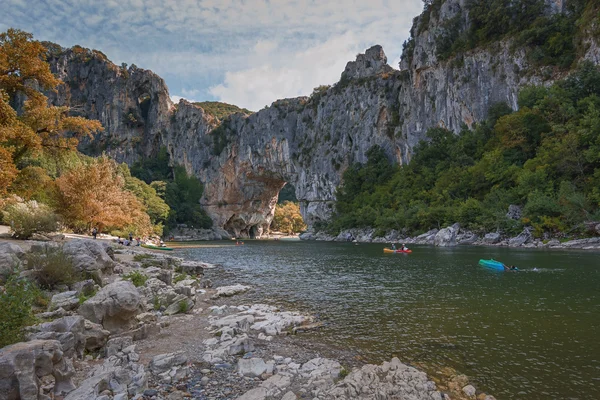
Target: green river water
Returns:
[517, 335]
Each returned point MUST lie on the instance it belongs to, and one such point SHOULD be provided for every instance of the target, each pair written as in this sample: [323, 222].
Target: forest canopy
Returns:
[545, 158]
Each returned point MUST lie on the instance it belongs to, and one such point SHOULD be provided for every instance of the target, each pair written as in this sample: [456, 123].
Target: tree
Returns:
[24, 73]
[288, 218]
[95, 195]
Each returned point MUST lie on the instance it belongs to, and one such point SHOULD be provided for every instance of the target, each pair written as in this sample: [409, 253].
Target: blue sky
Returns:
[245, 52]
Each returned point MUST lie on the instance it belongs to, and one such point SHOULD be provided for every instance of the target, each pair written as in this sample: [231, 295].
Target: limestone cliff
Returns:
[309, 141]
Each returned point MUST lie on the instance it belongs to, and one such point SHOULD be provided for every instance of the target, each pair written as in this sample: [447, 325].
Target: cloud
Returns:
[207, 49]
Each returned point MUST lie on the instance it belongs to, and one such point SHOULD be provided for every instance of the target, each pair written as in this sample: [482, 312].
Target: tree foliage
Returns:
[106, 203]
[544, 157]
[27, 123]
[287, 218]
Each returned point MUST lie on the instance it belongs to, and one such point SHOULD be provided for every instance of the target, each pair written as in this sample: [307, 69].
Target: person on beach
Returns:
[130, 237]
[94, 232]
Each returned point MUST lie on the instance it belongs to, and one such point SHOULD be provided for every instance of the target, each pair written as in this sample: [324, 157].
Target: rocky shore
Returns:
[454, 235]
[151, 326]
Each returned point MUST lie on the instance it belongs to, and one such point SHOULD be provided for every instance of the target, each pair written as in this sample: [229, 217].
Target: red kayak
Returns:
[388, 250]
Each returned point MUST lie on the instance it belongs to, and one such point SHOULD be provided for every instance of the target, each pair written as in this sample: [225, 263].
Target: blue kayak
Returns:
[493, 264]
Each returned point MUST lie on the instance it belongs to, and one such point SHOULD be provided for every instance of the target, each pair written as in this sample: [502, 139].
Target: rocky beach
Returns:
[150, 325]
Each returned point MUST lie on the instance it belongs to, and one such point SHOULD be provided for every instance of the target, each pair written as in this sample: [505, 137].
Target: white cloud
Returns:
[249, 52]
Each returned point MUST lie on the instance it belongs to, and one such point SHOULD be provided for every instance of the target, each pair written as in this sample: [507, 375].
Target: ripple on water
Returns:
[526, 335]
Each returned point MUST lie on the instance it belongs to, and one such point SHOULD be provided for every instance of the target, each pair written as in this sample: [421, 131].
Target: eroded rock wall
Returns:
[308, 141]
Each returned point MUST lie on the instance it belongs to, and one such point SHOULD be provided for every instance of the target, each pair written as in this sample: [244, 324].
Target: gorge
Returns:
[307, 142]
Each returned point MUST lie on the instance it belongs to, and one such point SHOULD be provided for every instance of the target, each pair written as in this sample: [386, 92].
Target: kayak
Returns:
[492, 264]
[388, 250]
[149, 246]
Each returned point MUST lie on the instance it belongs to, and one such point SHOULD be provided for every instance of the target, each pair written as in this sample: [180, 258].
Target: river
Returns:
[517, 335]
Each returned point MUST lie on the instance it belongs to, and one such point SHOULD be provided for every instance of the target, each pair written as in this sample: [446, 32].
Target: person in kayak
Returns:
[393, 246]
[511, 268]
[404, 248]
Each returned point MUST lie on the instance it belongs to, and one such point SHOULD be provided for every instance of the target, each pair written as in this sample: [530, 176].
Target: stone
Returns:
[95, 336]
[523, 237]
[69, 331]
[252, 367]
[22, 365]
[114, 306]
[227, 291]
[165, 362]
[86, 287]
[258, 393]
[492, 238]
[11, 257]
[469, 390]
[514, 212]
[66, 300]
[446, 237]
[180, 304]
[91, 256]
[289, 396]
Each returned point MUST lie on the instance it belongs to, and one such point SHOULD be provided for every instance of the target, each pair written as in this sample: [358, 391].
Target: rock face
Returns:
[114, 306]
[307, 142]
[447, 236]
[89, 255]
[23, 364]
[11, 256]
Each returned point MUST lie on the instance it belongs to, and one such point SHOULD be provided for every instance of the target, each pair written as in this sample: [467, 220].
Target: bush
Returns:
[52, 267]
[30, 217]
[138, 279]
[15, 302]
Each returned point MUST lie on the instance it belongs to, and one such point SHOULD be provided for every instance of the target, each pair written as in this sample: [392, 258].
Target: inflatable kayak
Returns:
[149, 246]
[492, 264]
[388, 250]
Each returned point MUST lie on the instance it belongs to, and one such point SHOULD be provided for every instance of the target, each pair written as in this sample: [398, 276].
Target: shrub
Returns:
[52, 267]
[142, 257]
[15, 302]
[179, 278]
[156, 303]
[138, 279]
[30, 217]
[183, 306]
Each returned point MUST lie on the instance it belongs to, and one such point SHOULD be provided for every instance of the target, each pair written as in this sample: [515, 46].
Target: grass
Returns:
[179, 278]
[183, 306]
[138, 279]
[142, 257]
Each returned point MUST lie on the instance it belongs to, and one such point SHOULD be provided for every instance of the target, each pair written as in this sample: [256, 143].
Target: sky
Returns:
[243, 52]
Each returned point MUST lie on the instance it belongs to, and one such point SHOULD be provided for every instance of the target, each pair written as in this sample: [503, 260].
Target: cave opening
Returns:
[144, 102]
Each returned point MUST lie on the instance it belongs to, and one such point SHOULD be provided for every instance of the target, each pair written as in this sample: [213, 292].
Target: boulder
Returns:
[446, 237]
[226, 291]
[114, 306]
[95, 336]
[514, 212]
[391, 380]
[492, 238]
[521, 239]
[91, 256]
[69, 331]
[163, 275]
[180, 304]
[469, 390]
[11, 257]
[67, 300]
[194, 267]
[252, 367]
[22, 365]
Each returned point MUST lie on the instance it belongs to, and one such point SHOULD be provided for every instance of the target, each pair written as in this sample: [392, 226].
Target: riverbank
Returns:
[174, 336]
[454, 235]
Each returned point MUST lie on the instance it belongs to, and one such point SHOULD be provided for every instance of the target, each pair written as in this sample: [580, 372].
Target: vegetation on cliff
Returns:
[551, 38]
[180, 190]
[40, 164]
[545, 157]
[221, 110]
